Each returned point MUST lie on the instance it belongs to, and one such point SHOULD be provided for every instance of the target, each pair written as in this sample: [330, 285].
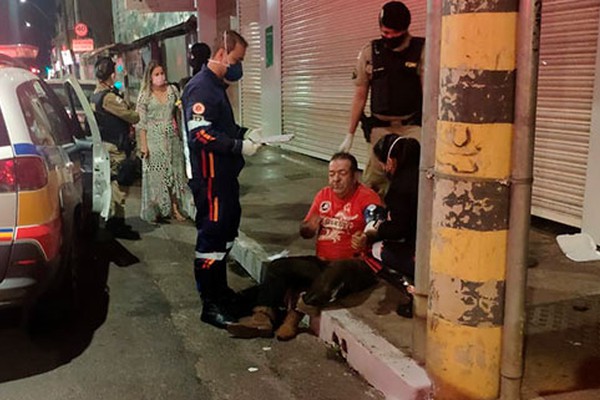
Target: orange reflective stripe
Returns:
[211, 163]
[216, 209]
[210, 200]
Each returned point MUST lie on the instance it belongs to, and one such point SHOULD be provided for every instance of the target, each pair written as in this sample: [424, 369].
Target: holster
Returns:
[368, 123]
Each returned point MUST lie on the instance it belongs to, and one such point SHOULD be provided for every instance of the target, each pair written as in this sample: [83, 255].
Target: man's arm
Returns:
[117, 106]
[310, 226]
[358, 105]
[200, 111]
[362, 80]
[312, 222]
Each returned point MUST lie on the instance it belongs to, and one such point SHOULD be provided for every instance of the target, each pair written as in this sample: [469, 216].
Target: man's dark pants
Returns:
[323, 281]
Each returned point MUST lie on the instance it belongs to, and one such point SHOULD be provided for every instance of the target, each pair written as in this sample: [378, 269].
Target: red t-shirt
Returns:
[340, 219]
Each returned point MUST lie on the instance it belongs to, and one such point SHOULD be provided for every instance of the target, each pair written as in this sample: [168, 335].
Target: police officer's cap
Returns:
[104, 67]
[395, 15]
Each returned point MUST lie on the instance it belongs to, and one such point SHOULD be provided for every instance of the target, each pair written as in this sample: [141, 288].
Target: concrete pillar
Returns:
[207, 21]
[471, 197]
[270, 24]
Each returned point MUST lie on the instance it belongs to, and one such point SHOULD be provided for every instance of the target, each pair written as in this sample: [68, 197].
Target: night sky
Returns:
[41, 15]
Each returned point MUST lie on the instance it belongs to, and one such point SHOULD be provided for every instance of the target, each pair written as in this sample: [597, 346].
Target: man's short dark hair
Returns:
[346, 156]
[104, 67]
[229, 39]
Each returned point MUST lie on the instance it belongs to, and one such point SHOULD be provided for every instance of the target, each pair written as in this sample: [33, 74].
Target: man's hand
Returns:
[249, 148]
[359, 241]
[310, 227]
[347, 143]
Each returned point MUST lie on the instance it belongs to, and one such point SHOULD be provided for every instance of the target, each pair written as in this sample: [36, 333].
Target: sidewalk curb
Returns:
[384, 366]
[250, 254]
[381, 364]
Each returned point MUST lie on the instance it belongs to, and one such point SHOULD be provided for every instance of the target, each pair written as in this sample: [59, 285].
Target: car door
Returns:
[101, 190]
[52, 138]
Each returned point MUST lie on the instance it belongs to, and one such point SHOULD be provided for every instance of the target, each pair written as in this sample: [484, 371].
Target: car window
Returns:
[46, 118]
[74, 97]
[84, 127]
[60, 91]
[88, 90]
[3, 132]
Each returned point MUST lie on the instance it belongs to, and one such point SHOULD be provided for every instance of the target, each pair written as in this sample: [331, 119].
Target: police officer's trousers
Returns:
[374, 175]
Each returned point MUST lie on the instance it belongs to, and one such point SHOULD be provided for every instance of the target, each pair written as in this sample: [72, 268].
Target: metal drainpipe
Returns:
[520, 201]
[431, 88]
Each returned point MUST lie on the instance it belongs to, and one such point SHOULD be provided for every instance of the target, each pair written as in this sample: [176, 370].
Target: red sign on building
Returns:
[160, 5]
[82, 45]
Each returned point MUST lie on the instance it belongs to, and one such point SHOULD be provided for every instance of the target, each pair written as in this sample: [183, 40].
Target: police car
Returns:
[53, 180]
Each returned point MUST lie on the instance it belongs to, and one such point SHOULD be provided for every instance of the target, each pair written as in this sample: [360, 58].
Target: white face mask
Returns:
[158, 80]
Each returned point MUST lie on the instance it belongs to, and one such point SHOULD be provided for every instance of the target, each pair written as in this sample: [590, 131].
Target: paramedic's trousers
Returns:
[217, 223]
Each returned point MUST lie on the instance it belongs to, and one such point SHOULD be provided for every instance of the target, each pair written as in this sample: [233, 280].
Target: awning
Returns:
[173, 31]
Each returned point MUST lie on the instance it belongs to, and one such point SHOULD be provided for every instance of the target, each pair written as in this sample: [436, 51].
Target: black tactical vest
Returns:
[395, 83]
[112, 128]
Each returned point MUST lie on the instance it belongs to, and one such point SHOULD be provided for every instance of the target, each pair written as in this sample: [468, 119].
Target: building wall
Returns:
[132, 25]
[97, 15]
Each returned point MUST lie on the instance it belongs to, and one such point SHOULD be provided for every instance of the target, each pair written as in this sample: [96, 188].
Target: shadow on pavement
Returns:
[51, 338]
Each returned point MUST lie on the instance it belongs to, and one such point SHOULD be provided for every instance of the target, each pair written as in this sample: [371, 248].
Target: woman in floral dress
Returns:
[163, 177]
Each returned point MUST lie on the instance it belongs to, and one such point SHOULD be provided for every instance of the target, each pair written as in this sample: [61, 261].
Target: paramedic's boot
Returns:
[259, 324]
[289, 329]
[216, 314]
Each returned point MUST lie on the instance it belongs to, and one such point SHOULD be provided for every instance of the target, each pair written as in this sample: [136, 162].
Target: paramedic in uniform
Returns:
[391, 67]
[217, 147]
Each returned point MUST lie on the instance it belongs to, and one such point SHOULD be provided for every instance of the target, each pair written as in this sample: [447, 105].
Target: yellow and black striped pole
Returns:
[471, 197]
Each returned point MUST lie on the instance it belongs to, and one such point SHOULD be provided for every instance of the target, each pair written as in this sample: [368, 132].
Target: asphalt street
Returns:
[138, 336]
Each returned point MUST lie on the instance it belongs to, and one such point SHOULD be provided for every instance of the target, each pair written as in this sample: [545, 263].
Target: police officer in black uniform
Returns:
[217, 147]
[391, 67]
[115, 118]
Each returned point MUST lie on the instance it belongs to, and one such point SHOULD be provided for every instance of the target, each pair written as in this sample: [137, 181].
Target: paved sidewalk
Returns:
[563, 342]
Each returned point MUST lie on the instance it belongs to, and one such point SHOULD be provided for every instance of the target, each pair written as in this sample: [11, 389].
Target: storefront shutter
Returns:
[250, 85]
[566, 84]
[320, 44]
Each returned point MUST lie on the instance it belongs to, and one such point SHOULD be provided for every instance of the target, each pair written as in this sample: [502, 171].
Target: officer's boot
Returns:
[289, 329]
[259, 324]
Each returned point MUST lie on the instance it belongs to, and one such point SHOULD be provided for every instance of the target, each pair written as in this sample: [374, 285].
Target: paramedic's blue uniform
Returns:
[215, 143]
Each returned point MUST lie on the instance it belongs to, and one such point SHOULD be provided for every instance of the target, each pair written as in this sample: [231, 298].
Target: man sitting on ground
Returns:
[336, 218]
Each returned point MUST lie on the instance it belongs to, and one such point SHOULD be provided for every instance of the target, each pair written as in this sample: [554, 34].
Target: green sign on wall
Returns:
[269, 46]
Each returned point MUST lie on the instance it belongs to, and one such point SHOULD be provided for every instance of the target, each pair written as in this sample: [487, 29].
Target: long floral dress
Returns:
[164, 168]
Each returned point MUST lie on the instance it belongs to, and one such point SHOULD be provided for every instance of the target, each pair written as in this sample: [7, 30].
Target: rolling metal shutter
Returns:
[566, 83]
[250, 85]
[320, 43]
